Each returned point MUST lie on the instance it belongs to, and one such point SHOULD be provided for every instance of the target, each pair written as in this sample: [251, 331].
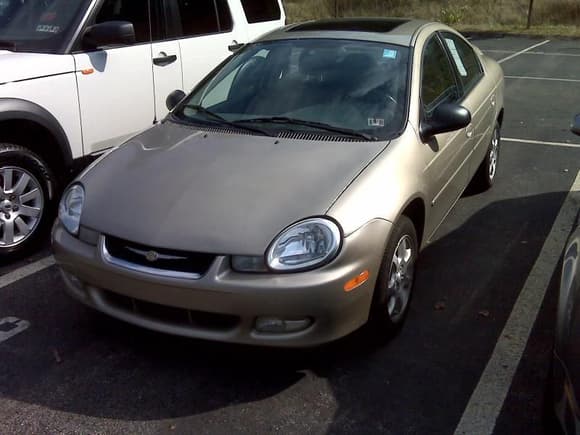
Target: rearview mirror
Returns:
[174, 98]
[445, 118]
[109, 33]
[576, 125]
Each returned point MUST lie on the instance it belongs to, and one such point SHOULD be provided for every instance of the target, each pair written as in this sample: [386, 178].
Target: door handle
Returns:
[235, 46]
[469, 132]
[493, 101]
[163, 59]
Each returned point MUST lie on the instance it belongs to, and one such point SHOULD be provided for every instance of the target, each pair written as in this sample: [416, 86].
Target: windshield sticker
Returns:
[45, 28]
[389, 54]
[456, 58]
[376, 122]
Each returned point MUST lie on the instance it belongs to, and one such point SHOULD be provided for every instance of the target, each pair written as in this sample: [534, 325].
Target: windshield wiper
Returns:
[318, 125]
[222, 121]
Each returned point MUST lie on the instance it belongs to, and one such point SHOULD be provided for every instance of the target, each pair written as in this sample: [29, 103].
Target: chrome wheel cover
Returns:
[21, 205]
[401, 275]
[493, 155]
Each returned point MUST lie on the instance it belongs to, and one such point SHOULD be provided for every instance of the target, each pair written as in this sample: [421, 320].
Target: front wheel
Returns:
[394, 286]
[485, 175]
[26, 185]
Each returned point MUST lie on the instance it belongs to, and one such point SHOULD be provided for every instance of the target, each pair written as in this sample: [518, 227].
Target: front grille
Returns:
[167, 260]
[171, 315]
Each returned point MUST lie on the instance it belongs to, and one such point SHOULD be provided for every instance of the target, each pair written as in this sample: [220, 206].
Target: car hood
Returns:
[26, 66]
[179, 188]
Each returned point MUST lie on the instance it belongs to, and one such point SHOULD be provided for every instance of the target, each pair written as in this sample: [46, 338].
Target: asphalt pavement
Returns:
[72, 370]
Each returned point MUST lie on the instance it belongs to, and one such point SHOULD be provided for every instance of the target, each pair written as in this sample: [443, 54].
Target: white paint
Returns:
[537, 53]
[539, 142]
[16, 327]
[23, 272]
[518, 53]
[552, 79]
[487, 399]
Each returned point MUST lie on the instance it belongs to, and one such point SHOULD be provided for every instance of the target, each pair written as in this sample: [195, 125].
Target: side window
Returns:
[204, 17]
[258, 11]
[136, 12]
[438, 83]
[465, 60]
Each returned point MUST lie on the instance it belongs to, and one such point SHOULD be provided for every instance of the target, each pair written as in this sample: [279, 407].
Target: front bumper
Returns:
[224, 305]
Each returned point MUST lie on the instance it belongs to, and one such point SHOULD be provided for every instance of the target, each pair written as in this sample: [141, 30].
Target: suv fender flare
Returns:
[14, 109]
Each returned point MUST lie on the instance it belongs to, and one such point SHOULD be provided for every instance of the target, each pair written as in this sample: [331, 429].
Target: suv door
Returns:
[116, 84]
[206, 29]
[447, 169]
[470, 73]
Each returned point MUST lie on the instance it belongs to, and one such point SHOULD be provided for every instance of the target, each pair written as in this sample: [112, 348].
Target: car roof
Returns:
[398, 31]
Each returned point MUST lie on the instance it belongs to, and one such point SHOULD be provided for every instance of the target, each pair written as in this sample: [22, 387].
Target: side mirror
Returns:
[576, 125]
[445, 118]
[174, 98]
[109, 33]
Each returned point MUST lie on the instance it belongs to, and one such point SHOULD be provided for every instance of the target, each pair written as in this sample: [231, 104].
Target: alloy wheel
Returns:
[21, 205]
[493, 155]
[401, 275]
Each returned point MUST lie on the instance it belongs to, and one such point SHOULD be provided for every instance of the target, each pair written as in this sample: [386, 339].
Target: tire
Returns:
[27, 206]
[487, 171]
[394, 288]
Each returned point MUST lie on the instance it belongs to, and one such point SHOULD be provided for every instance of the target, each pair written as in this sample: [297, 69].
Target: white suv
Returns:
[78, 77]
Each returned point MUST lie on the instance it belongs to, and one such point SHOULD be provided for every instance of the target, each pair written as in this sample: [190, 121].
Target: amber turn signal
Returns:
[356, 281]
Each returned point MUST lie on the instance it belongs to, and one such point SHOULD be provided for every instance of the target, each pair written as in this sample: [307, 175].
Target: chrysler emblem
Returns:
[152, 256]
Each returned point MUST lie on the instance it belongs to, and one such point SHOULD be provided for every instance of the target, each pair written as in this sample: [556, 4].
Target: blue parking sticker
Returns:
[389, 54]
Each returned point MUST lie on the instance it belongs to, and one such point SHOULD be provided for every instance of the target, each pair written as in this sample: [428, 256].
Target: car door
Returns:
[115, 84]
[479, 100]
[207, 29]
[166, 53]
[446, 170]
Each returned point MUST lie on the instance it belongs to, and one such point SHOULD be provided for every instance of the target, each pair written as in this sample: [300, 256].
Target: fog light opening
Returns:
[279, 326]
[357, 281]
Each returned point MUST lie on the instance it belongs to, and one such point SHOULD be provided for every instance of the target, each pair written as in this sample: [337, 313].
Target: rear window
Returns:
[258, 11]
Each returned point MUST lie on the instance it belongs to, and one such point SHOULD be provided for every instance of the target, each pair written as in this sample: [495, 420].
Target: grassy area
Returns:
[549, 17]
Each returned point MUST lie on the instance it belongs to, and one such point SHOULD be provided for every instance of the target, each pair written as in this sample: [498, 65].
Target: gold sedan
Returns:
[285, 200]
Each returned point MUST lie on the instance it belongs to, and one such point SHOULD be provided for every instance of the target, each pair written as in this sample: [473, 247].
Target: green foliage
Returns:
[453, 13]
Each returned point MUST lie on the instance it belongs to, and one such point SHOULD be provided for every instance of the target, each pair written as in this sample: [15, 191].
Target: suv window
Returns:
[136, 12]
[203, 17]
[438, 83]
[261, 10]
[465, 60]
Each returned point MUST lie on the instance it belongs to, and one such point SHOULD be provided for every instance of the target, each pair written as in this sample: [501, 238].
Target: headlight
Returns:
[304, 245]
[71, 207]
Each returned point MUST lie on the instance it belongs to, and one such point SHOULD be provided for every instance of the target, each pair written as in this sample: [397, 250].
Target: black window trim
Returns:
[424, 112]
[473, 84]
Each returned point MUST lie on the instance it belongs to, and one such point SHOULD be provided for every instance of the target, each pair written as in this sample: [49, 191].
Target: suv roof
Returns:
[390, 30]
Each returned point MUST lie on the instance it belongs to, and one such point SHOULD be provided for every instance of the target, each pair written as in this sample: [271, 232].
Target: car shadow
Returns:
[84, 363]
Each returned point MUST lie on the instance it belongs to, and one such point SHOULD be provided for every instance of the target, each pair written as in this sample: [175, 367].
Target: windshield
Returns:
[37, 25]
[355, 86]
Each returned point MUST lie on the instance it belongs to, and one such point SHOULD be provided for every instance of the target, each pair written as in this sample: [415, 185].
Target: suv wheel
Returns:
[26, 193]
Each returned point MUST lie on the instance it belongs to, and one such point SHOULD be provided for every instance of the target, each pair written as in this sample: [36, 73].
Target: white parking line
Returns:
[487, 399]
[523, 51]
[539, 142]
[23, 272]
[537, 53]
[16, 327]
[552, 79]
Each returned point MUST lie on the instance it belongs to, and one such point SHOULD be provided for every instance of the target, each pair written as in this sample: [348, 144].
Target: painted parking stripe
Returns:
[550, 79]
[23, 272]
[518, 53]
[537, 53]
[486, 402]
[540, 142]
[11, 326]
